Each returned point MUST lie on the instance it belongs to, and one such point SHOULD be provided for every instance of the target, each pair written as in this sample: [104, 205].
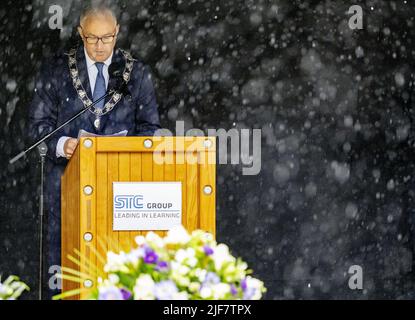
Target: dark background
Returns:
[334, 106]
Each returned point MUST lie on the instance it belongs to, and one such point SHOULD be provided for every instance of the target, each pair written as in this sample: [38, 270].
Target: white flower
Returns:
[253, 289]
[182, 281]
[165, 290]
[230, 268]
[12, 288]
[144, 288]
[194, 286]
[205, 292]
[5, 291]
[204, 236]
[179, 273]
[177, 235]
[140, 240]
[183, 270]
[108, 291]
[207, 237]
[186, 257]
[200, 274]
[221, 255]
[180, 255]
[182, 295]
[179, 269]
[115, 262]
[155, 239]
[134, 256]
[220, 290]
[233, 273]
[192, 262]
[113, 278]
[242, 266]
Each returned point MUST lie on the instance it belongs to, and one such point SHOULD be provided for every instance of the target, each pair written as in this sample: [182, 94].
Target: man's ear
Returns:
[80, 32]
[117, 29]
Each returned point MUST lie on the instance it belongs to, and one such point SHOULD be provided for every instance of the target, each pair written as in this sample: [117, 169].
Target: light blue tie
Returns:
[100, 88]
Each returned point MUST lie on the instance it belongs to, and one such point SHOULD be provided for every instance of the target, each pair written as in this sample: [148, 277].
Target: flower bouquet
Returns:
[12, 288]
[180, 266]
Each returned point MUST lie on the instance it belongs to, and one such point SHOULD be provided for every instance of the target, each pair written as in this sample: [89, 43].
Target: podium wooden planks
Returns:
[87, 196]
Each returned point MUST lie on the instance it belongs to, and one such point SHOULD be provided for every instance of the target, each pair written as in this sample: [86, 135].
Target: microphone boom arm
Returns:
[21, 154]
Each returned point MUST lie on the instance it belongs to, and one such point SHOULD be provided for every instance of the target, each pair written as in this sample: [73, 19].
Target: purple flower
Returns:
[162, 266]
[243, 284]
[126, 295]
[211, 278]
[110, 293]
[165, 290]
[208, 250]
[249, 293]
[234, 291]
[150, 256]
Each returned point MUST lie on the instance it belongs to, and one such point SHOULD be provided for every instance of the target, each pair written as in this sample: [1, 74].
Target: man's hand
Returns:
[69, 147]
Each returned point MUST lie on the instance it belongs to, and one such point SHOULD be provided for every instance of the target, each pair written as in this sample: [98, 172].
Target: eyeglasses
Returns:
[94, 40]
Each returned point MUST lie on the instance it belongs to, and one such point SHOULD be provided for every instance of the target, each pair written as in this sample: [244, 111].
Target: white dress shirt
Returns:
[92, 75]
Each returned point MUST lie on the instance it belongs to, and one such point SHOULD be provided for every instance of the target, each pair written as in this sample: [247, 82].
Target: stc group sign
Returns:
[146, 205]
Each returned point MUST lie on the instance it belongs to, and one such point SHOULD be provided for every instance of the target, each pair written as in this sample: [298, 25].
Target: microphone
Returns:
[115, 72]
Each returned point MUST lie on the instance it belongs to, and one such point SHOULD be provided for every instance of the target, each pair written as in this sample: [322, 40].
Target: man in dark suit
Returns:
[69, 82]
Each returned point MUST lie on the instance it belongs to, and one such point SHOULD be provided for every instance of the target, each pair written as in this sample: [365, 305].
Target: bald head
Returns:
[98, 11]
[98, 30]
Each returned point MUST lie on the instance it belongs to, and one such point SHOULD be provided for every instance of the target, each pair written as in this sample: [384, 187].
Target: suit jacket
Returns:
[56, 100]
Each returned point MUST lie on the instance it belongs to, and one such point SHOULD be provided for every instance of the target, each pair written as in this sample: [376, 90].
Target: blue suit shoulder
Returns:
[56, 60]
[53, 67]
[142, 89]
[141, 69]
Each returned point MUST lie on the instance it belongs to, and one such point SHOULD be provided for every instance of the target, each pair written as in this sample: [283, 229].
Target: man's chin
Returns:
[100, 57]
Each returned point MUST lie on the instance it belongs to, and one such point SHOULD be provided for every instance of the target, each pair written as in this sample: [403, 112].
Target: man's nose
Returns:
[99, 45]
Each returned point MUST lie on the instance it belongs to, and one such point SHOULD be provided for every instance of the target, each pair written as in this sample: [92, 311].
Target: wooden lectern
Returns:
[87, 196]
